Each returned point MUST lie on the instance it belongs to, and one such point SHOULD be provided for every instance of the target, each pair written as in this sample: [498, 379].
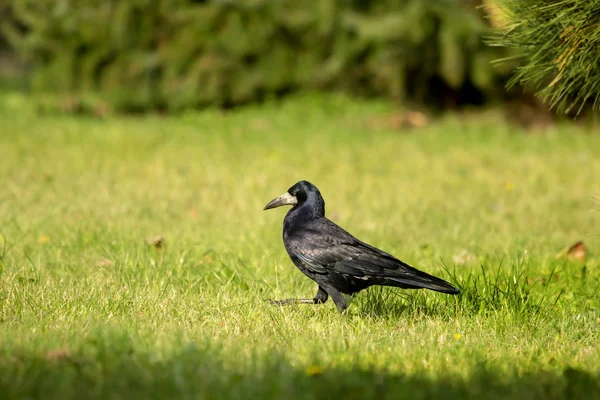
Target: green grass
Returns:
[88, 309]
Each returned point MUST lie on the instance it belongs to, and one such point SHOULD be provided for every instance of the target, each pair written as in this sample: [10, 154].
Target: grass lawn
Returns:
[88, 309]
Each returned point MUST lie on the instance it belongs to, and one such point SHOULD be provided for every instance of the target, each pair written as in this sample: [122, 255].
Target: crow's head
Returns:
[302, 192]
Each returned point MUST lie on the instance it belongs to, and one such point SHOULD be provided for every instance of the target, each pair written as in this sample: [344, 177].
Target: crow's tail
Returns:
[416, 279]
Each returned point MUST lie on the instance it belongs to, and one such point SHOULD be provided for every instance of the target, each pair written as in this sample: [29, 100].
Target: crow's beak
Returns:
[283, 200]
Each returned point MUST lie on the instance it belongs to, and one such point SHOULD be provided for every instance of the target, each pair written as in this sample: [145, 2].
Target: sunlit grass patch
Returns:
[136, 260]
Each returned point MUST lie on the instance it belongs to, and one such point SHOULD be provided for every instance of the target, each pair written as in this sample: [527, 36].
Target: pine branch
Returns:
[561, 45]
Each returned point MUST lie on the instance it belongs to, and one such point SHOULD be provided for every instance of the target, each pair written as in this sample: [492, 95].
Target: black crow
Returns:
[340, 264]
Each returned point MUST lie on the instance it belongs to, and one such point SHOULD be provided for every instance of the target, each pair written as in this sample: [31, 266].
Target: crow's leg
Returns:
[341, 300]
[320, 298]
[286, 302]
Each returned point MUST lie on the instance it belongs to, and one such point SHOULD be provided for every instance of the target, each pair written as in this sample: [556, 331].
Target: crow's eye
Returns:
[300, 195]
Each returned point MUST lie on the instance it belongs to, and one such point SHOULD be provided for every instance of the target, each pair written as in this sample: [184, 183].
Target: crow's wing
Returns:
[324, 247]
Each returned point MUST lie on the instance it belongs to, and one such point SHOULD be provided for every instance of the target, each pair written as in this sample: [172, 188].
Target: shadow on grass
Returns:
[193, 373]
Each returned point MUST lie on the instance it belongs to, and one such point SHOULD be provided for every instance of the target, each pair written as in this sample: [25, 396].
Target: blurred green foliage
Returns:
[140, 55]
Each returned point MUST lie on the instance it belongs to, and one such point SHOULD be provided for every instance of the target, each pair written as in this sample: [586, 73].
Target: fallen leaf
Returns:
[416, 119]
[577, 251]
[71, 104]
[158, 242]
[105, 262]
[101, 110]
[399, 121]
[58, 355]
